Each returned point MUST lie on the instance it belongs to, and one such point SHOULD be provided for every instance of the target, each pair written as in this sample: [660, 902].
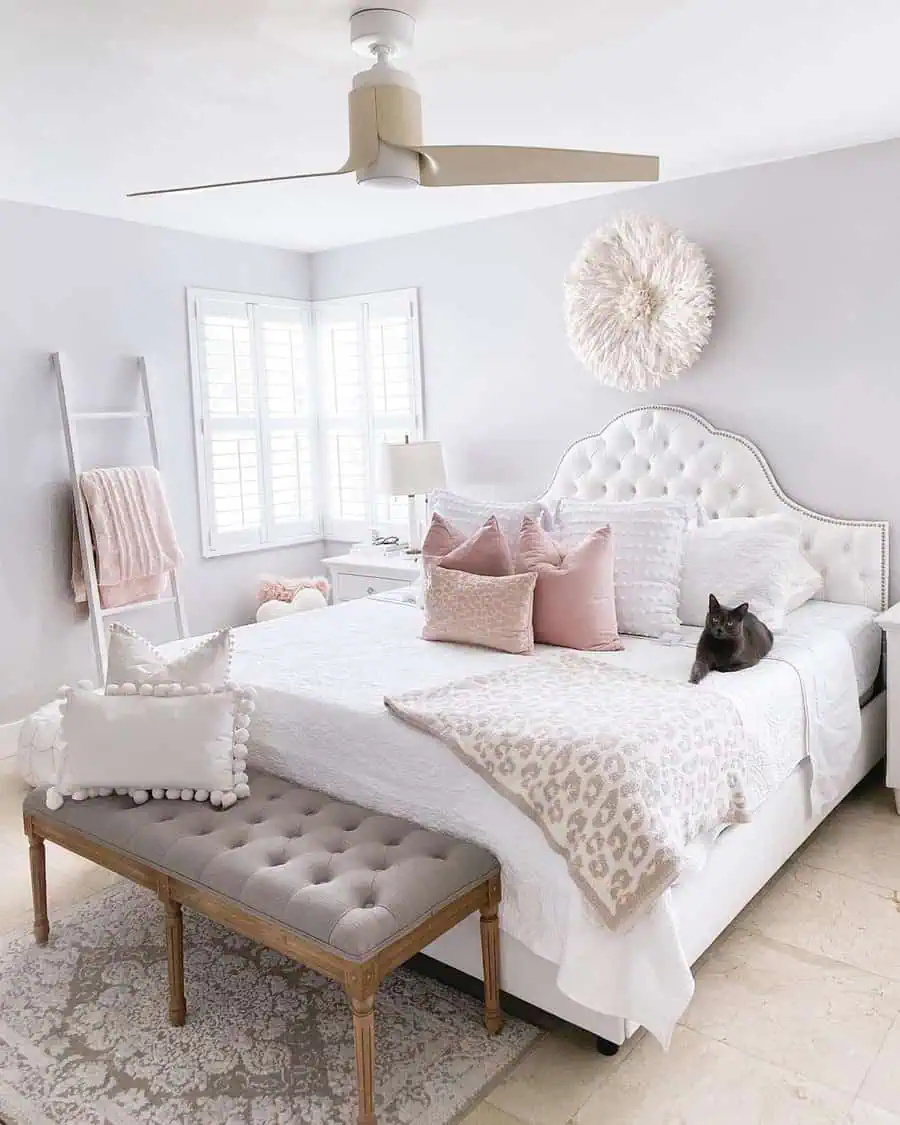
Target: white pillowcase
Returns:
[649, 539]
[162, 740]
[468, 514]
[132, 659]
[747, 559]
[805, 581]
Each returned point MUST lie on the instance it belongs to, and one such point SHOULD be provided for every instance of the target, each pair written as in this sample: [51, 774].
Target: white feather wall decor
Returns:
[639, 302]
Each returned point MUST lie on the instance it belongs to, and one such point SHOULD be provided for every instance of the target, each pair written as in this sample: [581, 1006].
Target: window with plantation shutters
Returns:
[254, 398]
[293, 402]
[370, 393]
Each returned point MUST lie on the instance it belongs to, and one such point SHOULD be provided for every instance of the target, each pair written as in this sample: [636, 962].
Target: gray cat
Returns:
[732, 639]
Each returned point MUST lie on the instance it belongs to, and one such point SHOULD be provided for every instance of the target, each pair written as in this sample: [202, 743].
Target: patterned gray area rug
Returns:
[85, 1038]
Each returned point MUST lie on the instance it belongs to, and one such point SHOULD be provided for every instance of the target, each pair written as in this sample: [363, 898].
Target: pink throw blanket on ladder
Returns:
[132, 534]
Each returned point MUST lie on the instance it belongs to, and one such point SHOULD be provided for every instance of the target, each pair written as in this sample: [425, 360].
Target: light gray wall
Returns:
[102, 290]
[805, 352]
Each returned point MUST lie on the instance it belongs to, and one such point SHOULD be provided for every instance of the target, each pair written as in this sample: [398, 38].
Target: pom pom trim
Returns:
[220, 798]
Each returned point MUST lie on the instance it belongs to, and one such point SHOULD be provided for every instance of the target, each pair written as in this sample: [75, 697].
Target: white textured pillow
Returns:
[163, 740]
[805, 581]
[132, 659]
[755, 560]
[649, 537]
[468, 514]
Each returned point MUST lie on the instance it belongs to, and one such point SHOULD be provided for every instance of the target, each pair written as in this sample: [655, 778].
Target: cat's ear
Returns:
[713, 604]
[740, 612]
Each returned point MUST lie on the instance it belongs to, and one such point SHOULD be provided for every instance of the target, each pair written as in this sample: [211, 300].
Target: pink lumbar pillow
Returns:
[485, 552]
[574, 599]
[478, 609]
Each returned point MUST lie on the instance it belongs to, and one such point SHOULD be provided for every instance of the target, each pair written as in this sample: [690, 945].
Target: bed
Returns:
[321, 721]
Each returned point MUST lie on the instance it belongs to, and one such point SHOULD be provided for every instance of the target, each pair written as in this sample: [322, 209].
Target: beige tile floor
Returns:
[796, 1019]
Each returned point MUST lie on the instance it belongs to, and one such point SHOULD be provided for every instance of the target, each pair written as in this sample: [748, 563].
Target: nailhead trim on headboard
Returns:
[671, 451]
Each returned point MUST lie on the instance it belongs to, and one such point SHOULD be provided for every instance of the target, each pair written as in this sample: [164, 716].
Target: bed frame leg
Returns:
[606, 1047]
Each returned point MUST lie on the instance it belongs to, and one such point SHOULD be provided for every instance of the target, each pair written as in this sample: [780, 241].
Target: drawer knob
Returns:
[370, 590]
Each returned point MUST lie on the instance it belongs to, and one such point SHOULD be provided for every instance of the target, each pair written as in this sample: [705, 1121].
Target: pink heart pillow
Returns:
[574, 598]
[485, 552]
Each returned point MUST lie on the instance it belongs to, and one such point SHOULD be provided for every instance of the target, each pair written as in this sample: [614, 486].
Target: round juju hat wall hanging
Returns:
[639, 303]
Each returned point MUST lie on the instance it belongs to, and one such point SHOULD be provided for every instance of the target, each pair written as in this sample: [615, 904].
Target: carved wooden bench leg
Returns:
[175, 955]
[364, 1035]
[38, 861]
[490, 954]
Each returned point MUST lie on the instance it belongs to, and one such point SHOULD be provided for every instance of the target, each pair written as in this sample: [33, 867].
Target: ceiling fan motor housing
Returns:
[400, 112]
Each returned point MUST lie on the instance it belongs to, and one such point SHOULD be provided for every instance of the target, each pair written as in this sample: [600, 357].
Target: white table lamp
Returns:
[413, 469]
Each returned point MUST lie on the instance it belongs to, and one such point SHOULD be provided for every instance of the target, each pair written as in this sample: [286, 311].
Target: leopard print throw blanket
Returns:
[620, 770]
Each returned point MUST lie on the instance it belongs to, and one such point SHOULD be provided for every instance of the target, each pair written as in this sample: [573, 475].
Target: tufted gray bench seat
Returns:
[344, 890]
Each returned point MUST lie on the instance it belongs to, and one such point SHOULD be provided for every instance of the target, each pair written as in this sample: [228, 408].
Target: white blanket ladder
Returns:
[70, 422]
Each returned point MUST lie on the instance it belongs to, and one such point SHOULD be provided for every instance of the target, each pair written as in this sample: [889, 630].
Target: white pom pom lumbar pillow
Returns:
[153, 740]
[37, 737]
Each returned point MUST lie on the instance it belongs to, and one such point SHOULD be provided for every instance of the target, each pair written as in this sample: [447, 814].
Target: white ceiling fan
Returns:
[386, 147]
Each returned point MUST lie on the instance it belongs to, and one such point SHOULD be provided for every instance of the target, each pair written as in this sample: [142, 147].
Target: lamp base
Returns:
[414, 545]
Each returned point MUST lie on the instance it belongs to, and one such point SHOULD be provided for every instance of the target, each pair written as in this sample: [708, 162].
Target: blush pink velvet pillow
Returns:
[476, 609]
[574, 599]
[441, 537]
[485, 552]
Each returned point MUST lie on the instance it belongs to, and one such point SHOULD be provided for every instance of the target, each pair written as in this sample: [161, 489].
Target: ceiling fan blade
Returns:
[363, 150]
[234, 183]
[464, 165]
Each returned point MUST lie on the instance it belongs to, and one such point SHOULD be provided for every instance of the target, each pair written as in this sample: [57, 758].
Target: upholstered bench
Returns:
[346, 891]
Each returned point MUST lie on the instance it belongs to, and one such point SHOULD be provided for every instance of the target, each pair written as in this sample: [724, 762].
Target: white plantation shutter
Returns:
[369, 393]
[342, 401]
[288, 421]
[292, 405]
[256, 422]
[395, 403]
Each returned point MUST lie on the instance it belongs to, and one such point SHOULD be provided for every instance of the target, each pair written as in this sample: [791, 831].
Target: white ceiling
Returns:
[100, 97]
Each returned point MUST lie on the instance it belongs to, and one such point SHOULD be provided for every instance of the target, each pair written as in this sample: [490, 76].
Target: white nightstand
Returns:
[890, 622]
[358, 575]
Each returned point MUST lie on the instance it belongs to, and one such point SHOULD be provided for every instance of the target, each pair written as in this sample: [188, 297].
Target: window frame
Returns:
[202, 426]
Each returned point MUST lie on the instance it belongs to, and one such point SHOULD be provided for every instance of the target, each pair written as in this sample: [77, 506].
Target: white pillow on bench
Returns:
[184, 742]
[132, 659]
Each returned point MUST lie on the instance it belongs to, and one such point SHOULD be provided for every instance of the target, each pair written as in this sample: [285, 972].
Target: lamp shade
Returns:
[412, 468]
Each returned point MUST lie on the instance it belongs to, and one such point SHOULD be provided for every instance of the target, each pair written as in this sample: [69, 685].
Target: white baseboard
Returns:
[9, 739]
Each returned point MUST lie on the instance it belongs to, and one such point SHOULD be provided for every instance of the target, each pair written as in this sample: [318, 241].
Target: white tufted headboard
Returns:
[670, 451]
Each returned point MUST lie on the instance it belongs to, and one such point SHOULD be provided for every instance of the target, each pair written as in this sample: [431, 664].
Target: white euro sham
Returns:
[754, 559]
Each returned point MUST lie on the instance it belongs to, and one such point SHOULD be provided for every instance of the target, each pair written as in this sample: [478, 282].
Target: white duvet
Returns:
[321, 721]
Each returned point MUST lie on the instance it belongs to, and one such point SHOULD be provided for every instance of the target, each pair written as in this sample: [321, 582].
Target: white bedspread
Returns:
[321, 720]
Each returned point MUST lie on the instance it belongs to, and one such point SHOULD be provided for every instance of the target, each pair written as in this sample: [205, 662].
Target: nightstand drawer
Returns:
[350, 586]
